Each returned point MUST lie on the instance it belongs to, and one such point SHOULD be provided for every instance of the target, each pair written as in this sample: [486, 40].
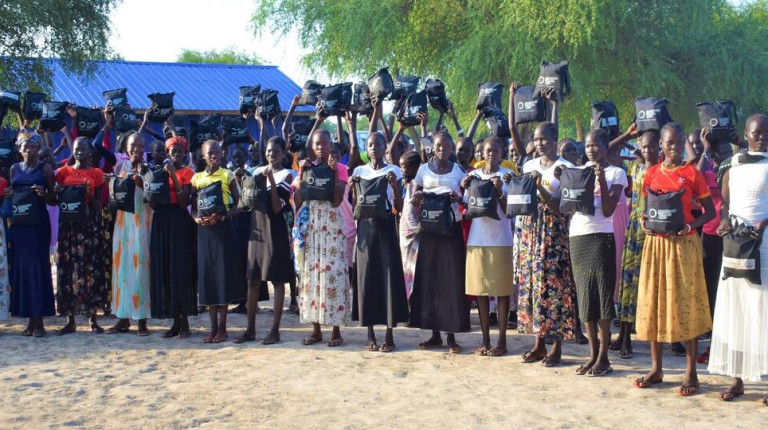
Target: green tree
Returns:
[30, 30]
[225, 56]
[687, 51]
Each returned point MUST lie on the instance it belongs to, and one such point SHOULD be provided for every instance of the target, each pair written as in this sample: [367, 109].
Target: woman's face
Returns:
[757, 135]
[157, 150]
[212, 155]
[464, 151]
[275, 154]
[409, 170]
[375, 147]
[254, 155]
[672, 143]
[443, 147]
[492, 154]
[478, 152]
[569, 152]
[136, 148]
[30, 151]
[543, 141]
[177, 154]
[649, 148]
[238, 159]
[594, 148]
[321, 145]
[46, 156]
[80, 151]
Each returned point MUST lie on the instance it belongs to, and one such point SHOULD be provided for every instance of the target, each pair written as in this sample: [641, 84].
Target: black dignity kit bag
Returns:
[255, 195]
[235, 130]
[741, 252]
[414, 103]
[372, 199]
[88, 122]
[27, 207]
[489, 94]
[405, 85]
[116, 98]
[11, 100]
[720, 117]
[361, 99]
[161, 106]
[125, 120]
[334, 99]
[651, 114]
[33, 105]
[436, 95]
[497, 122]
[309, 93]
[381, 84]
[435, 214]
[121, 194]
[555, 76]
[53, 116]
[577, 191]
[267, 104]
[482, 199]
[210, 200]
[664, 212]
[317, 183]
[247, 94]
[529, 108]
[522, 199]
[606, 116]
[156, 187]
[72, 204]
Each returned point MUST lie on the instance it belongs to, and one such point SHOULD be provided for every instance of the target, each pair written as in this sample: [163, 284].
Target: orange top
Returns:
[687, 178]
[91, 177]
[184, 175]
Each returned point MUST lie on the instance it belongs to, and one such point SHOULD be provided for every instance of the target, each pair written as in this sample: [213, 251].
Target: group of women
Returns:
[162, 260]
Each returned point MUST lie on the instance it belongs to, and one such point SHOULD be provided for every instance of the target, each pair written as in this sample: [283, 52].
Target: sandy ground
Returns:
[124, 381]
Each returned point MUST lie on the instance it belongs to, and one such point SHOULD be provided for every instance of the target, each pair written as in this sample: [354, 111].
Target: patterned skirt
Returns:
[82, 284]
[546, 295]
[630, 271]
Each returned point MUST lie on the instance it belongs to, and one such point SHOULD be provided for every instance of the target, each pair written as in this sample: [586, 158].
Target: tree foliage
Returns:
[30, 30]
[225, 56]
[687, 50]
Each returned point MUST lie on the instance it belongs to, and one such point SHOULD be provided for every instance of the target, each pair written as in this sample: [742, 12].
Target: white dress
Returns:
[739, 346]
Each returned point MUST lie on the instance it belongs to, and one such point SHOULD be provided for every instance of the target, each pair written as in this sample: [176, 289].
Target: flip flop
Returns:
[455, 349]
[625, 355]
[530, 357]
[496, 352]
[387, 347]
[481, 350]
[730, 395]
[371, 346]
[582, 370]
[550, 362]
[641, 382]
[598, 373]
[335, 342]
[143, 333]
[96, 329]
[311, 340]
[682, 390]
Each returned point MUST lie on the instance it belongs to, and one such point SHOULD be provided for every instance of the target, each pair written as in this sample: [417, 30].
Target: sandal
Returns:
[582, 370]
[387, 347]
[530, 357]
[688, 390]
[550, 362]
[625, 355]
[96, 329]
[335, 342]
[599, 372]
[311, 340]
[371, 346]
[496, 352]
[481, 350]
[143, 332]
[430, 345]
[641, 382]
[455, 349]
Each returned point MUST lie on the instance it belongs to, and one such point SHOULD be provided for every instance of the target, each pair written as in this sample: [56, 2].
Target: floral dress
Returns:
[633, 246]
[324, 286]
[543, 274]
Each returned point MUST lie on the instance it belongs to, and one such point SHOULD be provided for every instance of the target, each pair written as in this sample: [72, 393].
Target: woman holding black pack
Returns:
[130, 249]
[593, 254]
[269, 246]
[219, 282]
[438, 301]
[672, 303]
[172, 248]
[380, 281]
[321, 251]
[546, 305]
[30, 265]
[82, 287]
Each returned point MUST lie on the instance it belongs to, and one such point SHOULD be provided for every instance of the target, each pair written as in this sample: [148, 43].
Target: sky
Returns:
[199, 25]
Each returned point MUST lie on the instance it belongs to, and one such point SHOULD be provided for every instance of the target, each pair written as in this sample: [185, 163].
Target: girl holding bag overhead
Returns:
[438, 301]
[672, 304]
[219, 282]
[324, 287]
[31, 188]
[82, 287]
[593, 254]
[380, 279]
[172, 247]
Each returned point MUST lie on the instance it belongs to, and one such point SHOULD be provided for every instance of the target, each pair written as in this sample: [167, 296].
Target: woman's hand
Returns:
[418, 196]
[643, 220]
[685, 230]
[40, 190]
[507, 177]
[724, 228]
[354, 179]
[270, 176]
[497, 183]
[392, 179]
[466, 182]
[536, 177]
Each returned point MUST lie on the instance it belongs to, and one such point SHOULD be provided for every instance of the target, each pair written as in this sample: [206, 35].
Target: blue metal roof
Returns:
[198, 87]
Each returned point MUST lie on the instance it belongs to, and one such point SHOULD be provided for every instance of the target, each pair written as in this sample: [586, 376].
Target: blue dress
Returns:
[31, 283]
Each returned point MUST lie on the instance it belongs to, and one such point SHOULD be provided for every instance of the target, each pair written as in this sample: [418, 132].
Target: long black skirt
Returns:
[172, 286]
[593, 260]
[438, 301]
[269, 249]
[219, 270]
[381, 295]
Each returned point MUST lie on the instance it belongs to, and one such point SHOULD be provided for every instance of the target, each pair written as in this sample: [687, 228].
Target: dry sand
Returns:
[124, 381]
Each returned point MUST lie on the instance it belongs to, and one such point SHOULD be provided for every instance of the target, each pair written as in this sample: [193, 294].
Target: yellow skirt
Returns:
[672, 303]
[489, 271]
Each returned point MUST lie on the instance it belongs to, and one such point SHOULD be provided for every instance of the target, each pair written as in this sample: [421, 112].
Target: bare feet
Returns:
[272, 338]
[248, 336]
[221, 336]
[436, 341]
